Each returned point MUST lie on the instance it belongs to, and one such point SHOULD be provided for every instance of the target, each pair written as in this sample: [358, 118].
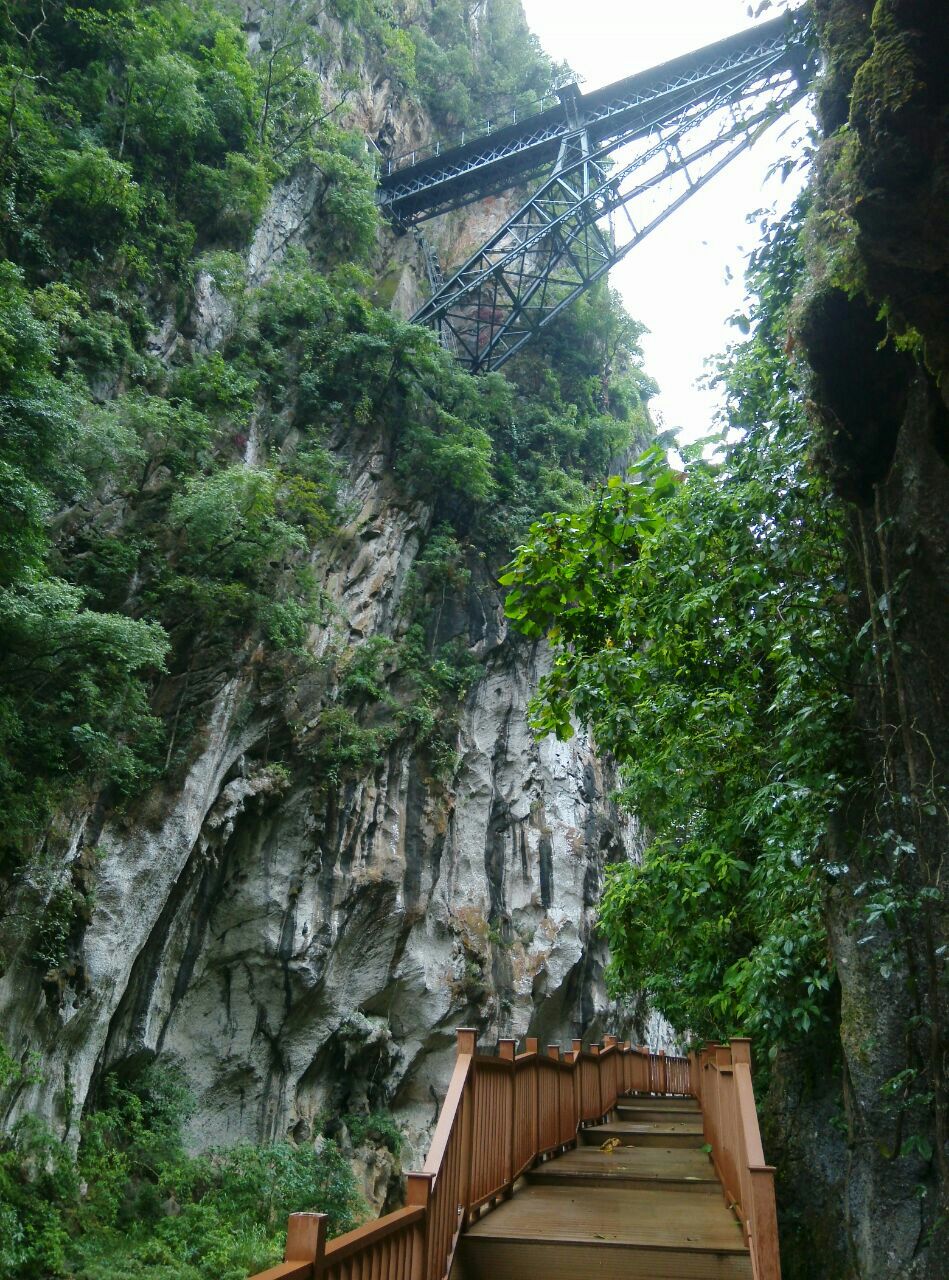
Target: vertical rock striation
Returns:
[304, 949]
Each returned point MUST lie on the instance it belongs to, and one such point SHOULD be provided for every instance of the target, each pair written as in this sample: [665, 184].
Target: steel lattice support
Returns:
[609, 188]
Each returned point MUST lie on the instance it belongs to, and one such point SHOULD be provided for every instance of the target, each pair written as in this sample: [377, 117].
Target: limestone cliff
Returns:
[304, 942]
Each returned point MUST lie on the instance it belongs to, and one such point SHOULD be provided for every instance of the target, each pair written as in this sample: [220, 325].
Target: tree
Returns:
[698, 625]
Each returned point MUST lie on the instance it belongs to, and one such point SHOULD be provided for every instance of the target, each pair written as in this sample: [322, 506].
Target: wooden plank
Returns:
[512, 1260]
[287, 1271]
[656, 1100]
[657, 1218]
[450, 1108]
[515, 1260]
[647, 1164]
[644, 1135]
[371, 1233]
[654, 1114]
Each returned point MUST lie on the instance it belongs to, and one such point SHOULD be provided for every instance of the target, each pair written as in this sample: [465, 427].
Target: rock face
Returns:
[305, 945]
[306, 949]
[873, 324]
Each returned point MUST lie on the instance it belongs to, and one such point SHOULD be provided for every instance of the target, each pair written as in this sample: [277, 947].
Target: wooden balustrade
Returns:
[721, 1078]
[504, 1113]
[501, 1115]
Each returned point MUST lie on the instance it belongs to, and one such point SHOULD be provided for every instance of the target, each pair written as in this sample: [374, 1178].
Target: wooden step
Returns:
[629, 1165]
[629, 1233]
[659, 1100]
[655, 1111]
[662, 1133]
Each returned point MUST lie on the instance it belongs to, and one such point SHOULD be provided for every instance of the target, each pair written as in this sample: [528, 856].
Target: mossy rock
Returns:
[885, 84]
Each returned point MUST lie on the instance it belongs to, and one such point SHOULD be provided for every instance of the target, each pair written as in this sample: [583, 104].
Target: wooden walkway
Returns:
[649, 1208]
[563, 1166]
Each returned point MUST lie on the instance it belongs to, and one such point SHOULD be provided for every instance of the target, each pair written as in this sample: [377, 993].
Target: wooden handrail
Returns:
[502, 1114]
[722, 1075]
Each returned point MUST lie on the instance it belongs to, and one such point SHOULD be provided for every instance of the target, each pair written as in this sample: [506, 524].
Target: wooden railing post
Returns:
[765, 1217]
[553, 1051]
[741, 1050]
[533, 1046]
[695, 1079]
[467, 1046]
[530, 1046]
[306, 1240]
[506, 1050]
[577, 1048]
[595, 1050]
[609, 1099]
[467, 1041]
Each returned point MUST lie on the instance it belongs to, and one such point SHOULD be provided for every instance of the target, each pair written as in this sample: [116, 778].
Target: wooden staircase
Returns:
[652, 1206]
[609, 1161]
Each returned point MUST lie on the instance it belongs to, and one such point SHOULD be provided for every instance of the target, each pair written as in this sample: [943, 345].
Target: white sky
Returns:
[675, 282]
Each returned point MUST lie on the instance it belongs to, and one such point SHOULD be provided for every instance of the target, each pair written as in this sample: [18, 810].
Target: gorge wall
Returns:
[865, 1153]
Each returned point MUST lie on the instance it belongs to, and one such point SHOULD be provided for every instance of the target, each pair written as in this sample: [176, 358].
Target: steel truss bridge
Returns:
[610, 167]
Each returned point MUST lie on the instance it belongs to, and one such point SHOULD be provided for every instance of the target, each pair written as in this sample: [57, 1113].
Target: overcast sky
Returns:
[676, 281]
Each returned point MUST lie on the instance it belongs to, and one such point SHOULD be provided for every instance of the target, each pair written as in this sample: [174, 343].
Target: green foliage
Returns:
[73, 707]
[56, 925]
[700, 631]
[91, 189]
[378, 1127]
[134, 1204]
[131, 526]
[230, 522]
[136, 134]
[467, 69]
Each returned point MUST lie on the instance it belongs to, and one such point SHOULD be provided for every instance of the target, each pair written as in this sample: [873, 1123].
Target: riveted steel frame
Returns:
[565, 237]
[434, 183]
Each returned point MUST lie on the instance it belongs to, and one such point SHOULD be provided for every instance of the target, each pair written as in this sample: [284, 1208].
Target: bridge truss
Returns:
[619, 161]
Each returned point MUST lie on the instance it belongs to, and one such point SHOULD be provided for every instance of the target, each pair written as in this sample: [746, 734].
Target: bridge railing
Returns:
[721, 1077]
[471, 133]
[501, 1115]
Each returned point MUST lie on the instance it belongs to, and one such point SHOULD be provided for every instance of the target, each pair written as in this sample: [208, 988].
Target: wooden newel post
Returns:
[418, 1190]
[418, 1195]
[467, 1040]
[530, 1044]
[306, 1240]
[741, 1050]
[766, 1223]
[663, 1072]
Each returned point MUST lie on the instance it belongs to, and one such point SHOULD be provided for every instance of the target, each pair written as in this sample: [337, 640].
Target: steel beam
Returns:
[630, 154]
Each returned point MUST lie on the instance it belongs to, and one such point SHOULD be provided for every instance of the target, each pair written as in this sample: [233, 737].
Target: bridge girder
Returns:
[626, 158]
